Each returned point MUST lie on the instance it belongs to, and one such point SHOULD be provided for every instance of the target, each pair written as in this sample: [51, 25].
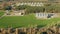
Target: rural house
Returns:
[15, 13]
[47, 15]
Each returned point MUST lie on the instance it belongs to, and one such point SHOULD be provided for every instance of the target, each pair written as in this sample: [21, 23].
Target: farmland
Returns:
[25, 21]
[29, 20]
[1, 13]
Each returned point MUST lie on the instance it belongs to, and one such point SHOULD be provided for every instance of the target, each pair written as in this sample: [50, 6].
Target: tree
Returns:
[8, 7]
[35, 9]
[21, 7]
[53, 8]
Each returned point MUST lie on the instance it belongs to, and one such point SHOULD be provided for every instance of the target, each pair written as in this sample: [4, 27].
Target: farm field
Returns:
[25, 21]
[1, 13]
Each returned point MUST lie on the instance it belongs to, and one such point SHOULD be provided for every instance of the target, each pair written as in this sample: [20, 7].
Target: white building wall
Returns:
[44, 15]
[31, 4]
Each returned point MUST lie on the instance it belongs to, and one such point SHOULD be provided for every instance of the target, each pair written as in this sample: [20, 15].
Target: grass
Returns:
[1, 13]
[25, 21]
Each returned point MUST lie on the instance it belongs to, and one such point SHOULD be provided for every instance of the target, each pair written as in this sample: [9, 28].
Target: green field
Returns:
[1, 13]
[25, 21]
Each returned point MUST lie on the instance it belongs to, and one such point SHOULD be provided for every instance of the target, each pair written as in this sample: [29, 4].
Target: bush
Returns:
[21, 7]
[8, 8]
[35, 9]
[53, 8]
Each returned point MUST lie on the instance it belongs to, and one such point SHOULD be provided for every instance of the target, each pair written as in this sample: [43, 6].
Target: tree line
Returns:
[51, 8]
